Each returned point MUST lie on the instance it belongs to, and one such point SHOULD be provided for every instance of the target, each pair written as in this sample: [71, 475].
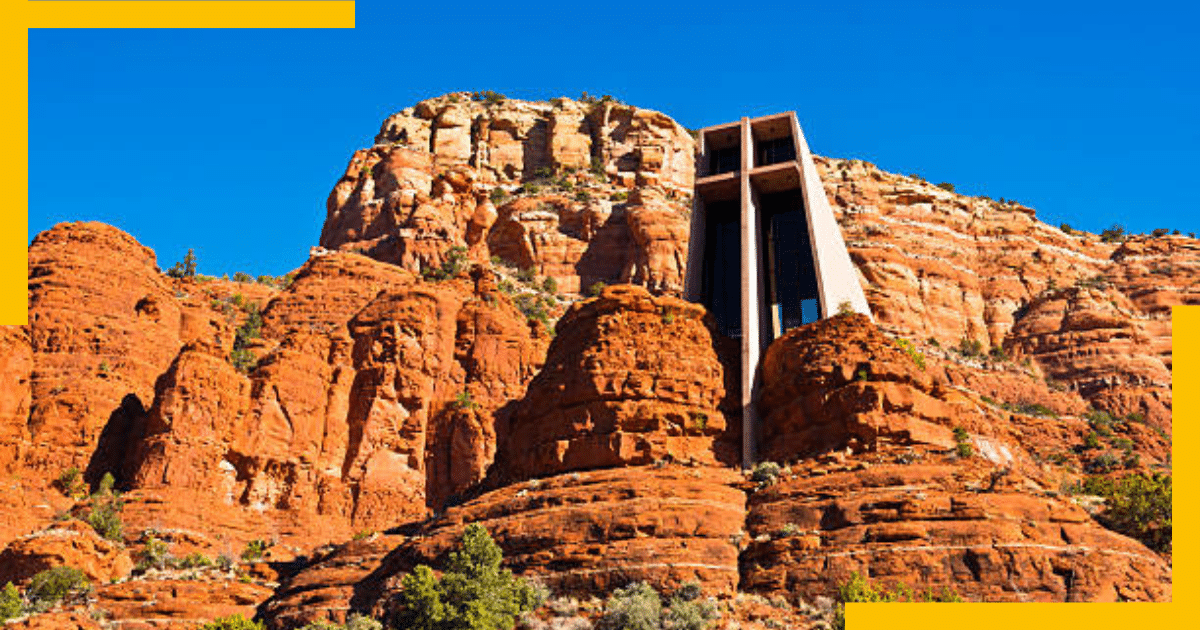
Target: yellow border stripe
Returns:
[211, 14]
[19, 15]
[14, 147]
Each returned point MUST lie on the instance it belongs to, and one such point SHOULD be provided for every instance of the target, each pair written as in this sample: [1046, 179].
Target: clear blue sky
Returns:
[229, 141]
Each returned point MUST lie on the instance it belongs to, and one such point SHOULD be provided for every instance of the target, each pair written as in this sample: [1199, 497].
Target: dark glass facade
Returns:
[724, 160]
[775, 151]
[792, 296]
[723, 266]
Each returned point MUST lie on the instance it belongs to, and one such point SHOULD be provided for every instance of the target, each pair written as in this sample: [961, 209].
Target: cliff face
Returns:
[603, 190]
[435, 363]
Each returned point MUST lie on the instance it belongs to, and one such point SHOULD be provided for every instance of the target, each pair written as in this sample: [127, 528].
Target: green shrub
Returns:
[255, 550]
[635, 607]
[154, 555]
[105, 517]
[464, 401]
[690, 614]
[11, 605]
[550, 285]
[1139, 506]
[583, 196]
[912, 352]
[474, 593]
[1114, 234]
[195, 560]
[234, 622]
[56, 585]
[354, 622]
[766, 472]
[858, 589]
[526, 275]
[689, 591]
[242, 276]
[453, 262]
[185, 268]
[596, 288]
[845, 308]
[70, 483]
[1066, 228]
[1091, 441]
[970, 347]
[1102, 463]
[620, 195]
[251, 329]
[498, 195]
[962, 443]
[947, 186]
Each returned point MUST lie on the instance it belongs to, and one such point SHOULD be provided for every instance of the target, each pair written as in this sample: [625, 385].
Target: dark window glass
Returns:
[723, 160]
[723, 266]
[792, 295]
[776, 151]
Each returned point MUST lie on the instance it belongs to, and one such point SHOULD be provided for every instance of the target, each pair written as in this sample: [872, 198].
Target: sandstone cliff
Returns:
[436, 363]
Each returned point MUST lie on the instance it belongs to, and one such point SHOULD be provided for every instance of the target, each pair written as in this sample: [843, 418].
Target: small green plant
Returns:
[862, 375]
[70, 482]
[620, 195]
[970, 347]
[354, 622]
[947, 186]
[364, 534]
[473, 593]
[699, 420]
[595, 289]
[453, 262]
[241, 357]
[195, 560]
[789, 529]
[498, 195]
[105, 516]
[550, 285]
[766, 473]
[634, 607]
[488, 97]
[1138, 506]
[234, 622]
[255, 550]
[962, 443]
[845, 308]
[11, 604]
[52, 586]
[464, 401]
[858, 589]
[1066, 228]
[1103, 463]
[154, 555]
[185, 268]
[1091, 441]
[242, 276]
[597, 167]
[1114, 234]
[583, 196]
[526, 275]
[692, 614]
[912, 352]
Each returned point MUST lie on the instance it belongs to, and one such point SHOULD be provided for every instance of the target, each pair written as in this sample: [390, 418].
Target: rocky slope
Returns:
[435, 363]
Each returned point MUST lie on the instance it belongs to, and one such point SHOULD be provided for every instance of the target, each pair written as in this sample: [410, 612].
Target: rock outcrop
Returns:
[434, 363]
[629, 380]
[602, 190]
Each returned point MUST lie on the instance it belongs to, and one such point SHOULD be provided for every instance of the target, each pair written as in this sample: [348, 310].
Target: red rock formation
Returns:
[939, 526]
[177, 604]
[629, 379]
[73, 544]
[987, 525]
[431, 180]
